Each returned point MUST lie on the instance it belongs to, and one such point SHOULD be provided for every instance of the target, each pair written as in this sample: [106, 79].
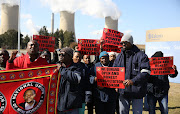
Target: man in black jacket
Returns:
[137, 70]
[70, 95]
[158, 87]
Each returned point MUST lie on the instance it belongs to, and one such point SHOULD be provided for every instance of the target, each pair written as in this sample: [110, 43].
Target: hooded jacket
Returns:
[158, 85]
[137, 69]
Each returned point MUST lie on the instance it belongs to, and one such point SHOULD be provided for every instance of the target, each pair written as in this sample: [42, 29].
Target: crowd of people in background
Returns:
[78, 83]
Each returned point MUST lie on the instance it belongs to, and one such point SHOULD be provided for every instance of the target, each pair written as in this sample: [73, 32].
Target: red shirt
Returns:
[24, 62]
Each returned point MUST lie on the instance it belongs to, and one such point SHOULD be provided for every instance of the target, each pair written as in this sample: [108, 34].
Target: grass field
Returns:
[174, 100]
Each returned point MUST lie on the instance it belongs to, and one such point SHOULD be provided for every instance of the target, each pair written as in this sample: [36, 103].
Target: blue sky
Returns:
[137, 16]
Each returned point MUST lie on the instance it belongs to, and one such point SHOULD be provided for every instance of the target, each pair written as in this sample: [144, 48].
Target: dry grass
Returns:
[174, 100]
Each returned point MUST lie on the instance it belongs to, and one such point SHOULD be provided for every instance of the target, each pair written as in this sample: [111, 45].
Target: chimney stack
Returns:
[52, 23]
[9, 17]
[67, 21]
[110, 23]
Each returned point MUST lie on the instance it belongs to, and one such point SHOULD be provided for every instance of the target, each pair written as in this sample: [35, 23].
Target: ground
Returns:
[174, 100]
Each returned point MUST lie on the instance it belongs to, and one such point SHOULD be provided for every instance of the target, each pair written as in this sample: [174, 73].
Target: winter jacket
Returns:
[85, 84]
[70, 94]
[24, 62]
[158, 85]
[105, 94]
[137, 69]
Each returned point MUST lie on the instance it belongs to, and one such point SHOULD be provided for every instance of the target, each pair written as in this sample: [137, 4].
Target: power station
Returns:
[9, 17]
[67, 21]
[9, 20]
[110, 23]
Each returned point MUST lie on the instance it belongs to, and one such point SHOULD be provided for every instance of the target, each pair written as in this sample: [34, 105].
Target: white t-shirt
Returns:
[27, 106]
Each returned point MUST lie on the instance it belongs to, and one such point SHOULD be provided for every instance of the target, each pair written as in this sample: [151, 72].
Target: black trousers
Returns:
[105, 107]
[90, 107]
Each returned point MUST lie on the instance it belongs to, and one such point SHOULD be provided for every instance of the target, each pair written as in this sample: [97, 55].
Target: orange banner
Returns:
[161, 65]
[89, 46]
[112, 37]
[29, 91]
[110, 77]
[45, 42]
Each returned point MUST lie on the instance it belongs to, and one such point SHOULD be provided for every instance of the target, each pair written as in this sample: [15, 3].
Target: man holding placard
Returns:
[158, 82]
[137, 70]
[104, 98]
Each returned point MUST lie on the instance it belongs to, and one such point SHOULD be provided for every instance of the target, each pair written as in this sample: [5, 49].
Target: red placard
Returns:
[110, 48]
[161, 65]
[38, 85]
[45, 42]
[89, 46]
[112, 37]
[110, 77]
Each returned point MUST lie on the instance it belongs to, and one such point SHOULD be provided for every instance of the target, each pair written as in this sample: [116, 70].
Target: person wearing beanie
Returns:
[104, 98]
[70, 95]
[112, 56]
[157, 89]
[137, 71]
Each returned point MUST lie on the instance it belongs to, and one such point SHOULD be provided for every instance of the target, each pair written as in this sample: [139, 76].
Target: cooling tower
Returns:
[111, 24]
[66, 21]
[9, 17]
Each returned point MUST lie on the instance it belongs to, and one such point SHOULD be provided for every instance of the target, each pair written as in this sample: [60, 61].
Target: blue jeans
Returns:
[124, 105]
[146, 106]
[163, 103]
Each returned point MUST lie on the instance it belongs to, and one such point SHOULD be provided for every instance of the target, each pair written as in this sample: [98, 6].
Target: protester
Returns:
[84, 84]
[31, 59]
[137, 71]
[158, 87]
[112, 56]
[47, 55]
[55, 56]
[70, 95]
[4, 56]
[104, 98]
[88, 65]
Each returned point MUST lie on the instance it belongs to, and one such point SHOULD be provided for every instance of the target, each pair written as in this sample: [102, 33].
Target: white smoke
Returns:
[33, 30]
[10, 2]
[97, 8]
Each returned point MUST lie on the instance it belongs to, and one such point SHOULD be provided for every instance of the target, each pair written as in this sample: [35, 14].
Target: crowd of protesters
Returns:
[78, 83]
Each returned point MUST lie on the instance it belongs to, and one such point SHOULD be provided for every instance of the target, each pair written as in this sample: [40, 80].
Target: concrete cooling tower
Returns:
[111, 24]
[9, 17]
[66, 21]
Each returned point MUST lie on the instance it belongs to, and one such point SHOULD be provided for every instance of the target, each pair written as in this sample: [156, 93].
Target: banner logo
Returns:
[3, 77]
[12, 76]
[47, 71]
[21, 75]
[105, 30]
[122, 69]
[3, 103]
[30, 74]
[28, 91]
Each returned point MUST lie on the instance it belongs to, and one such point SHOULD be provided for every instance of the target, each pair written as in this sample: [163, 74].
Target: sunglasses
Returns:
[123, 43]
[62, 54]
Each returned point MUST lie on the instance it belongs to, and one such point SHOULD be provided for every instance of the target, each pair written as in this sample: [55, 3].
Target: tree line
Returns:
[9, 39]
